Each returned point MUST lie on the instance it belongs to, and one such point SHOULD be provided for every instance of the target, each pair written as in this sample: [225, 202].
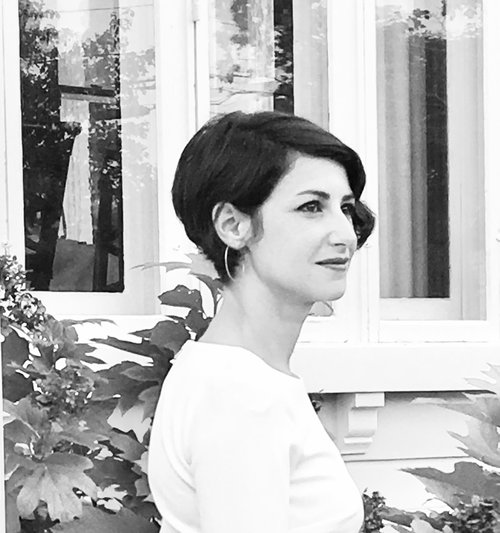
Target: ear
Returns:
[233, 227]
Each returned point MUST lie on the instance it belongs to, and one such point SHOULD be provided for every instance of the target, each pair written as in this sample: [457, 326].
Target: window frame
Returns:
[353, 118]
[357, 33]
[138, 296]
[183, 100]
[462, 284]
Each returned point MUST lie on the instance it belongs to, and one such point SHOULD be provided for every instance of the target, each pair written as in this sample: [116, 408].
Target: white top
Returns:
[236, 447]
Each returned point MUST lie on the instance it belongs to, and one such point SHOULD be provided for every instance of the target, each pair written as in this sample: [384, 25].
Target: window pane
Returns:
[269, 54]
[87, 97]
[431, 150]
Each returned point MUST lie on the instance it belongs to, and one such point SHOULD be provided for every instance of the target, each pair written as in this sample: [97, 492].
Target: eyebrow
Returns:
[324, 195]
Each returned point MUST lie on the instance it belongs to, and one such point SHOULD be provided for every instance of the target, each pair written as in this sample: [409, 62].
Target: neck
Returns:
[259, 321]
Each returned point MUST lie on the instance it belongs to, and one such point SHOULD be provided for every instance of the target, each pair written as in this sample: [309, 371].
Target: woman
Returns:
[236, 447]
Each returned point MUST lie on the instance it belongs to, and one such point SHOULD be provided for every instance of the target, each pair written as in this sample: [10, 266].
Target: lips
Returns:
[334, 261]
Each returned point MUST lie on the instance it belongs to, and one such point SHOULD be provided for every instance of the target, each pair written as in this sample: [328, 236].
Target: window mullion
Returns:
[491, 44]
[13, 135]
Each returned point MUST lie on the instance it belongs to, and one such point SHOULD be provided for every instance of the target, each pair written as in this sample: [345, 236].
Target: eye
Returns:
[348, 210]
[313, 206]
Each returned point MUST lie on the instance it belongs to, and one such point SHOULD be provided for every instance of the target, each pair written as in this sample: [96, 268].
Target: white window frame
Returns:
[353, 25]
[135, 299]
[353, 118]
[463, 303]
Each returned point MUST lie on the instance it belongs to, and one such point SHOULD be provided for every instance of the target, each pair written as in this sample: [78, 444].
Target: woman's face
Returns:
[307, 238]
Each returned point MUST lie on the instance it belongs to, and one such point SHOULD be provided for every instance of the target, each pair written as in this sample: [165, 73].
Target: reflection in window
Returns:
[87, 87]
[269, 54]
[430, 148]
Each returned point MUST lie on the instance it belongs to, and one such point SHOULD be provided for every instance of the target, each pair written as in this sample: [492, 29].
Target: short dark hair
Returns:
[240, 158]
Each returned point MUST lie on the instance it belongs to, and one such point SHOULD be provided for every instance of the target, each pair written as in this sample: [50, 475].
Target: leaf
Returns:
[114, 471]
[401, 529]
[12, 523]
[483, 407]
[130, 397]
[15, 457]
[494, 374]
[97, 413]
[466, 480]
[80, 352]
[481, 442]
[14, 349]
[131, 449]
[215, 286]
[181, 296]
[197, 322]
[200, 264]
[405, 518]
[150, 398]
[169, 334]
[96, 521]
[53, 482]
[143, 373]
[74, 430]
[99, 321]
[137, 348]
[421, 526]
[397, 516]
[16, 386]
[143, 333]
[29, 496]
[142, 487]
[33, 418]
[167, 265]
[115, 382]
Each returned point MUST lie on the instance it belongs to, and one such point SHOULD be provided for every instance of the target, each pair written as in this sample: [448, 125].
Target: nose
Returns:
[341, 233]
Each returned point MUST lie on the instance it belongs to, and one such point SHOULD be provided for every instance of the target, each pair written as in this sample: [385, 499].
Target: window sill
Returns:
[392, 367]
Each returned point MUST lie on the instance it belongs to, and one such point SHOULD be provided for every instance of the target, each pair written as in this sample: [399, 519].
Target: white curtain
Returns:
[310, 60]
[403, 169]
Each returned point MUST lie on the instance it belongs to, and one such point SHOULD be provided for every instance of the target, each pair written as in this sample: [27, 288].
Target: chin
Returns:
[334, 294]
[329, 296]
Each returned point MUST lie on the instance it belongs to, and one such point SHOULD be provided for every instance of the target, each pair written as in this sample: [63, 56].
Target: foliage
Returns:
[443, 21]
[479, 516]
[472, 489]
[373, 506]
[64, 460]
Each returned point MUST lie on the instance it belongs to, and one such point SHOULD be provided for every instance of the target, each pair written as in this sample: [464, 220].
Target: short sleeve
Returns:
[240, 458]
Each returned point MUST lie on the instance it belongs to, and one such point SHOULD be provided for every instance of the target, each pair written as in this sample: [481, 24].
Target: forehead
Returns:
[316, 173]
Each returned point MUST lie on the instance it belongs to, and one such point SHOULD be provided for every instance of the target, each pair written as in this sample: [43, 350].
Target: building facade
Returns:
[98, 98]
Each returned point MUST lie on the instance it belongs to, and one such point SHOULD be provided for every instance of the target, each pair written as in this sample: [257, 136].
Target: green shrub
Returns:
[64, 462]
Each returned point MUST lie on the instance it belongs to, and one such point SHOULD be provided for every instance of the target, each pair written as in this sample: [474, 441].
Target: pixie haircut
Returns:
[240, 158]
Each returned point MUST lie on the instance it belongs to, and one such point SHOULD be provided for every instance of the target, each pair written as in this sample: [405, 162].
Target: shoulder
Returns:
[218, 374]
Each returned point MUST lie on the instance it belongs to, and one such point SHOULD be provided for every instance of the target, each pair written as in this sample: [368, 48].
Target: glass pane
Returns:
[269, 54]
[87, 97]
[430, 149]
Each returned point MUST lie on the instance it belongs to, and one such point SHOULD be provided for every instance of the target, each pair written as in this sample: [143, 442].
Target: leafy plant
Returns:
[64, 460]
[373, 506]
[479, 516]
[472, 490]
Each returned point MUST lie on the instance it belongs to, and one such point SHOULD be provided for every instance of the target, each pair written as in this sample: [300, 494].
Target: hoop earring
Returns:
[226, 264]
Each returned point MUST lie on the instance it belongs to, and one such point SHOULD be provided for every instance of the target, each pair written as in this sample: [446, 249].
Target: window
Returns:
[431, 159]
[269, 54]
[88, 126]
[272, 55]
